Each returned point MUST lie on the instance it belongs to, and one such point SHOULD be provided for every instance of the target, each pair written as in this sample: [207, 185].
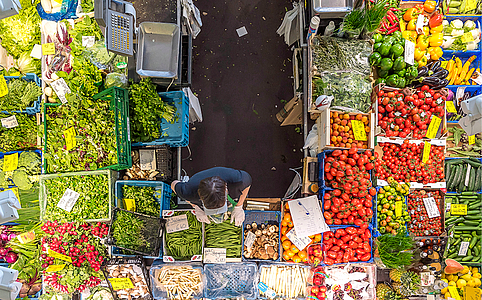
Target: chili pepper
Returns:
[390, 31]
[390, 19]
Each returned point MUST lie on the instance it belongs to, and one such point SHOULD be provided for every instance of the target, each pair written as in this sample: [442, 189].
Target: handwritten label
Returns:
[10, 122]
[451, 107]
[359, 130]
[147, 159]
[48, 49]
[214, 255]
[431, 207]
[61, 89]
[177, 223]
[121, 283]
[464, 246]
[266, 290]
[55, 268]
[398, 208]
[69, 135]
[300, 243]
[433, 127]
[426, 151]
[10, 162]
[472, 293]
[471, 139]
[130, 204]
[68, 200]
[467, 37]
[88, 41]
[3, 86]
[409, 54]
[59, 256]
[26, 237]
[381, 182]
[459, 93]
[426, 279]
[453, 292]
[249, 240]
[458, 209]
[477, 77]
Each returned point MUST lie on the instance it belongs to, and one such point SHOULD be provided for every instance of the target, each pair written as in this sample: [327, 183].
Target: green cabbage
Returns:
[21, 180]
[30, 161]
[27, 64]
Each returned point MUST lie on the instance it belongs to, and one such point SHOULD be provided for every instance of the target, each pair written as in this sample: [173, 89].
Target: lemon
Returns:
[477, 282]
[470, 283]
[449, 277]
[447, 295]
[466, 277]
[461, 283]
[475, 270]
[452, 283]
[444, 290]
[455, 278]
[477, 275]
[465, 270]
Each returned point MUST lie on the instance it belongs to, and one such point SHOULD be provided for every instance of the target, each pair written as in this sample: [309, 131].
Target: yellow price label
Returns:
[26, 237]
[130, 204]
[3, 86]
[472, 293]
[433, 127]
[471, 139]
[467, 37]
[458, 209]
[454, 293]
[471, 5]
[15, 191]
[426, 151]
[48, 49]
[10, 162]
[450, 107]
[69, 136]
[121, 283]
[55, 268]
[398, 208]
[358, 130]
[59, 256]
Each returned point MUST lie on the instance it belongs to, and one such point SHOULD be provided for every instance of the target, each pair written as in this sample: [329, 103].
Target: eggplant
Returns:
[422, 71]
[431, 81]
[438, 69]
[443, 83]
[442, 74]
[435, 65]
[429, 64]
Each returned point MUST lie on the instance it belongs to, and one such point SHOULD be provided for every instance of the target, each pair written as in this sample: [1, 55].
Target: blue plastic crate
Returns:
[231, 280]
[29, 77]
[262, 217]
[449, 158]
[463, 18]
[177, 133]
[375, 232]
[334, 228]
[468, 88]
[162, 188]
[464, 56]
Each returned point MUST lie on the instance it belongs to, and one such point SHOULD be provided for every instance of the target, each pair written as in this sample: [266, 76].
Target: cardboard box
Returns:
[274, 203]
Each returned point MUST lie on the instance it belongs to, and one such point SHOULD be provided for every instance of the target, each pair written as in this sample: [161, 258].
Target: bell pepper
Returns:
[435, 52]
[384, 49]
[411, 72]
[406, 35]
[422, 42]
[418, 54]
[436, 39]
[396, 50]
[375, 59]
[412, 24]
[399, 64]
[429, 6]
[426, 30]
[412, 13]
[435, 20]
[393, 80]
[422, 62]
[402, 82]
[413, 35]
[386, 64]
[437, 29]
[403, 25]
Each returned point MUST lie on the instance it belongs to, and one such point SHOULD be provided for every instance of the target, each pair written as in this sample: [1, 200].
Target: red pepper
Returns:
[390, 18]
[435, 20]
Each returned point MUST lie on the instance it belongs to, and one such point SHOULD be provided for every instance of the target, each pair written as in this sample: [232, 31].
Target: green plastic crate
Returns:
[119, 102]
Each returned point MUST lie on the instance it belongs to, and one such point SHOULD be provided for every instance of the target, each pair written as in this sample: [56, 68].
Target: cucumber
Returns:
[471, 186]
[453, 181]
[470, 217]
[453, 255]
[467, 258]
[478, 181]
[473, 163]
[450, 178]
[468, 194]
[461, 185]
[456, 179]
[474, 206]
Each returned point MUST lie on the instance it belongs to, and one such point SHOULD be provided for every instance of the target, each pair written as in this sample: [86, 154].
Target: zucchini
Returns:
[471, 186]
[468, 194]
[478, 181]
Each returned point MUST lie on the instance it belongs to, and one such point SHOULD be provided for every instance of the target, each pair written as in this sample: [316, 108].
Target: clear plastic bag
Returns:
[170, 273]
[115, 79]
[103, 59]
[235, 280]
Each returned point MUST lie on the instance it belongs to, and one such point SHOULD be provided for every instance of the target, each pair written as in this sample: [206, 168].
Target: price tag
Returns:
[3, 86]
[177, 223]
[471, 139]
[59, 256]
[381, 182]
[130, 204]
[431, 207]
[147, 159]
[10, 162]
[266, 290]
[450, 107]
[69, 135]
[214, 255]
[300, 243]
[9, 122]
[471, 5]
[426, 279]
[459, 93]
[121, 283]
[467, 37]
[55, 268]
[409, 54]
[433, 127]
[473, 293]
[464, 246]
[458, 209]
[416, 185]
[249, 240]
[454, 293]
[359, 130]
[68, 200]
[61, 89]
[426, 151]
[467, 175]
[48, 49]
[420, 23]
[36, 51]
[15, 191]
[477, 77]
[88, 41]
[26, 237]
[398, 208]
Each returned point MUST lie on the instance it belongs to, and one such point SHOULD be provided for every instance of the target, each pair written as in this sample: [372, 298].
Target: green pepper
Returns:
[386, 64]
[396, 50]
[375, 58]
[389, 39]
[378, 37]
[399, 64]
[401, 84]
[385, 48]
[393, 80]
[377, 46]
[397, 35]
[401, 73]
[411, 72]
[378, 81]
[382, 73]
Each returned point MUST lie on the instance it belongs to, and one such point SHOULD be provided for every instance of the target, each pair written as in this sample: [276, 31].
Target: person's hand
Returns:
[201, 215]
[237, 216]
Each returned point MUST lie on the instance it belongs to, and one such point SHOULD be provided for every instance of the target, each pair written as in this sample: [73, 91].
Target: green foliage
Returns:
[20, 95]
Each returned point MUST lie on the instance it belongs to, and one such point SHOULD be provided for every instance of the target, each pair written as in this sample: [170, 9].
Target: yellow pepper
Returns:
[437, 29]
[422, 42]
[407, 35]
[418, 54]
[412, 24]
[413, 35]
[435, 52]
[429, 6]
[426, 30]
[422, 62]
[436, 39]
[403, 25]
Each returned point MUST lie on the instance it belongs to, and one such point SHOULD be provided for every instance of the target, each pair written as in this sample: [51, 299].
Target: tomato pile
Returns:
[347, 245]
[421, 224]
[351, 202]
[318, 290]
[389, 219]
[341, 131]
[315, 254]
[400, 114]
[404, 163]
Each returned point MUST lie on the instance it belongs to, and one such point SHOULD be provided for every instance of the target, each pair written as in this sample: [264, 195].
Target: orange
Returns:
[284, 229]
[287, 206]
[286, 256]
[284, 223]
[283, 238]
[359, 116]
[302, 254]
[365, 120]
[294, 249]
[290, 253]
[290, 224]
[286, 244]
[304, 259]
[296, 259]
[287, 217]
[346, 116]
[318, 237]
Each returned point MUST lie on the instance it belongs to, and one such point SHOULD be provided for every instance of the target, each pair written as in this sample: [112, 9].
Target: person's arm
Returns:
[173, 185]
[243, 196]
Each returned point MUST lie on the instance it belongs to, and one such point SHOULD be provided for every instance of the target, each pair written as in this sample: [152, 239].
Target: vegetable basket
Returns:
[478, 22]
[271, 277]
[231, 280]
[162, 194]
[76, 181]
[176, 134]
[150, 231]
[266, 218]
[29, 77]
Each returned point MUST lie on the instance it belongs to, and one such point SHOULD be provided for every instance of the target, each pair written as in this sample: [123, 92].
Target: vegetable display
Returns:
[421, 223]
[469, 276]
[21, 94]
[223, 235]
[286, 281]
[363, 21]
[21, 137]
[462, 7]
[127, 230]
[460, 73]
[392, 211]
[456, 37]
[265, 244]
[182, 245]
[457, 100]
[463, 175]
[392, 250]
[349, 244]
[342, 131]
[458, 144]
[134, 273]
[145, 199]
[181, 282]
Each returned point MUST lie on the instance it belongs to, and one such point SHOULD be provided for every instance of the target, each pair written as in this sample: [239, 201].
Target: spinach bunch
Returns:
[145, 199]
[20, 95]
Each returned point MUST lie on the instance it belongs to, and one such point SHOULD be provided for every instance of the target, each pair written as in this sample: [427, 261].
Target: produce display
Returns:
[145, 199]
[349, 244]
[182, 245]
[223, 235]
[469, 276]
[392, 251]
[392, 209]
[456, 114]
[456, 37]
[21, 94]
[265, 243]
[134, 274]
[463, 7]
[21, 137]
[287, 281]
[463, 175]
[423, 224]
[342, 130]
[460, 73]
[459, 146]
[179, 281]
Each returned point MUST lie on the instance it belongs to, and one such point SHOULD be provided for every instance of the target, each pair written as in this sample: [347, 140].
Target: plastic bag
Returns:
[67, 11]
[167, 271]
[115, 79]
[103, 59]
[235, 280]
[312, 140]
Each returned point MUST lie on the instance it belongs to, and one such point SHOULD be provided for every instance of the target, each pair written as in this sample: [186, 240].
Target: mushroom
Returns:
[273, 228]
[254, 226]
[258, 233]
[264, 232]
[248, 227]
[247, 254]
[270, 250]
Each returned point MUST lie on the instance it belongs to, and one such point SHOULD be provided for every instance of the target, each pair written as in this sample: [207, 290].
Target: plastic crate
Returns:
[165, 159]
[464, 56]
[163, 190]
[478, 22]
[29, 77]
[177, 134]
[477, 89]
[262, 217]
[375, 232]
[334, 228]
[269, 265]
[43, 192]
[231, 280]
[450, 158]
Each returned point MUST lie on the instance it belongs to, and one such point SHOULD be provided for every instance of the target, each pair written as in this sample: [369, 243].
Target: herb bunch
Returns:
[394, 250]
[20, 95]
[22, 137]
[144, 197]
[366, 19]
[127, 231]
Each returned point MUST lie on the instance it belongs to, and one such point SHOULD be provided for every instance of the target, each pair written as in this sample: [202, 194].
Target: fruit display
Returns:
[343, 129]
[350, 244]
[469, 276]
[420, 204]
[392, 210]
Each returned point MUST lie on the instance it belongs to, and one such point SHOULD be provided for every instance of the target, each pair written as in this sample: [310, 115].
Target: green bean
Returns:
[224, 235]
[182, 245]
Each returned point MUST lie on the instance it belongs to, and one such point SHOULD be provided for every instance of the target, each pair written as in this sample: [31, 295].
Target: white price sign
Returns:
[88, 41]
[177, 223]
[68, 200]
[431, 207]
[409, 55]
[300, 243]
[464, 246]
[249, 240]
[147, 159]
[61, 89]
[9, 122]
[214, 255]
